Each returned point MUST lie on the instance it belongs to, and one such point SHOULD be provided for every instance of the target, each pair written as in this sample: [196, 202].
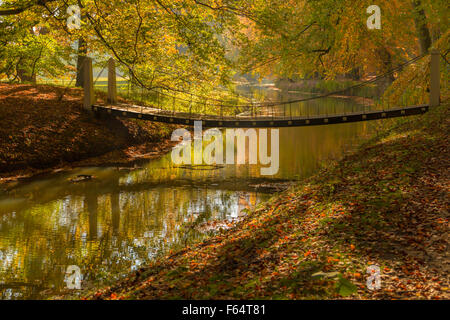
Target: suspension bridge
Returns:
[261, 114]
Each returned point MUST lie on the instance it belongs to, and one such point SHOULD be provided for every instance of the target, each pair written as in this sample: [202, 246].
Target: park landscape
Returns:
[91, 93]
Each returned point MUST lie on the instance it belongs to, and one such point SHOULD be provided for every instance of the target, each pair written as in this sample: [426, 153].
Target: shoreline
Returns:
[50, 132]
[127, 157]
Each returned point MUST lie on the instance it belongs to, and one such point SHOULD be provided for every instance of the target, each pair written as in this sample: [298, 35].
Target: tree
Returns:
[420, 21]
[29, 48]
[301, 37]
[189, 47]
[175, 46]
[16, 7]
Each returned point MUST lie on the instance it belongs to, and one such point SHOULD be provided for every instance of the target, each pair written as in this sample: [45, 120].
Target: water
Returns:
[124, 218]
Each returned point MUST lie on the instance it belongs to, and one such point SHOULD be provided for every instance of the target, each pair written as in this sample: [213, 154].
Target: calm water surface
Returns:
[124, 218]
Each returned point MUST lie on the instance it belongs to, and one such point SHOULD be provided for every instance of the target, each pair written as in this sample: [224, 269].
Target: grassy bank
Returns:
[384, 205]
[46, 127]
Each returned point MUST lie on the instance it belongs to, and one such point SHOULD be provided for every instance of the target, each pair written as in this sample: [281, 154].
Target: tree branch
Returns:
[14, 11]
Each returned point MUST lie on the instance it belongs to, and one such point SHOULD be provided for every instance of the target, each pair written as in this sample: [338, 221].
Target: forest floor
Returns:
[385, 205]
[45, 128]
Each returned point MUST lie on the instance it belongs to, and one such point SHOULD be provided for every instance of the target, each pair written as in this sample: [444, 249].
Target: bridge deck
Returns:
[246, 121]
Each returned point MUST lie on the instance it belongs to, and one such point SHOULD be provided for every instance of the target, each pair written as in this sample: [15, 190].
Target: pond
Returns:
[123, 218]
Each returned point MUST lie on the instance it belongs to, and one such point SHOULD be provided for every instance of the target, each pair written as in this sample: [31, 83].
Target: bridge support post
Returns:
[88, 84]
[112, 85]
[434, 78]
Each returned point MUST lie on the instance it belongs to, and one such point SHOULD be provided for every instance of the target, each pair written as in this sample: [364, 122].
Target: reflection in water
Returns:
[92, 206]
[123, 219]
[106, 235]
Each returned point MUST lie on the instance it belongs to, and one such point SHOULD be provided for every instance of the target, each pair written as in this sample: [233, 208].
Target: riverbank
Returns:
[45, 129]
[384, 205]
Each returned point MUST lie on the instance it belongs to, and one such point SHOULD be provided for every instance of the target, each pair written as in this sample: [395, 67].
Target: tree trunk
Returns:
[420, 21]
[82, 52]
[354, 74]
[386, 58]
[25, 76]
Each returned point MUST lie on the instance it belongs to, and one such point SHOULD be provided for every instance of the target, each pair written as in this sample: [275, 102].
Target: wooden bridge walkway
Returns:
[248, 121]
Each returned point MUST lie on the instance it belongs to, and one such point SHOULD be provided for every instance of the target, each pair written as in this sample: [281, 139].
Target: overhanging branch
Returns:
[18, 10]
